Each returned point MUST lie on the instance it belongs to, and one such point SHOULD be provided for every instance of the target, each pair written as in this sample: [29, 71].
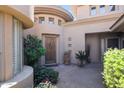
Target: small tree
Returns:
[33, 49]
[81, 56]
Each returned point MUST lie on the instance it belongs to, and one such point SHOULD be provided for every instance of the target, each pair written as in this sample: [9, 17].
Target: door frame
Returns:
[122, 39]
[57, 48]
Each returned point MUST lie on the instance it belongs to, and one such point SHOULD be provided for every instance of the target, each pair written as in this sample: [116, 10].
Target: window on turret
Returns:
[59, 22]
[111, 8]
[102, 9]
[51, 20]
[93, 10]
[35, 19]
[41, 20]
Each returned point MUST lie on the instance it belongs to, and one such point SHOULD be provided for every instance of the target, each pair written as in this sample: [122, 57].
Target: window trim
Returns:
[59, 22]
[2, 68]
[17, 47]
[101, 8]
[113, 10]
[112, 38]
[41, 21]
[53, 21]
[91, 10]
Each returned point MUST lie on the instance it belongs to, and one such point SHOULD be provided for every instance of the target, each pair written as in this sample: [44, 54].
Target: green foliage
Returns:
[81, 56]
[45, 85]
[43, 74]
[114, 68]
[88, 54]
[33, 49]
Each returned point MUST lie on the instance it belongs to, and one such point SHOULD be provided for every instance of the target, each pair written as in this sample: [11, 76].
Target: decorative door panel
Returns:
[50, 44]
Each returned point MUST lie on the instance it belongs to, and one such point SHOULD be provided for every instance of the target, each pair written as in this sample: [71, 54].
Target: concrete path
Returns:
[72, 76]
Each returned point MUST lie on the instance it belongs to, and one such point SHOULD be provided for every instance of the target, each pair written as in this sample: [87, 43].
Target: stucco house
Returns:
[13, 21]
[97, 26]
[89, 26]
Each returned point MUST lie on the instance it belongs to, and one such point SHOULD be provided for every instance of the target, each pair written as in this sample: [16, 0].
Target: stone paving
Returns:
[72, 76]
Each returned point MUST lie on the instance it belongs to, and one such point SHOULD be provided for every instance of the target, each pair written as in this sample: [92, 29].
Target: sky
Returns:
[67, 7]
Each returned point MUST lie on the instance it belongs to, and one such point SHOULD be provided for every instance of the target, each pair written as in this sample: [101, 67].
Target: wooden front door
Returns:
[50, 45]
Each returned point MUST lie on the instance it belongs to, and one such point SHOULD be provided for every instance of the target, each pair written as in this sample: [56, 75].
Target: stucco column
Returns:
[1, 48]
[8, 46]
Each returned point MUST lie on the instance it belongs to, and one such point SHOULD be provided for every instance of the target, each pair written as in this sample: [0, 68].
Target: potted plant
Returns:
[81, 56]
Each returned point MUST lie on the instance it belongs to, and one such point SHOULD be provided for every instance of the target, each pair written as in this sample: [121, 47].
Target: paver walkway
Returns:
[72, 76]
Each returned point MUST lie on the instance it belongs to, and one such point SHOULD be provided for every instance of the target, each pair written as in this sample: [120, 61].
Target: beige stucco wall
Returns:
[77, 30]
[27, 10]
[98, 44]
[6, 42]
[47, 28]
[7, 47]
[22, 80]
[46, 16]
[83, 11]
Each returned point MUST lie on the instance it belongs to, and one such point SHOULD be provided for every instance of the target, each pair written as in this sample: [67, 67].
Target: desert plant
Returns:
[33, 49]
[114, 68]
[45, 85]
[88, 54]
[81, 56]
[43, 74]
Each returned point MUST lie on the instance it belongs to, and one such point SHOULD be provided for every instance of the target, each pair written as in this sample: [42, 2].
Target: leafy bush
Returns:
[33, 49]
[45, 85]
[114, 68]
[43, 74]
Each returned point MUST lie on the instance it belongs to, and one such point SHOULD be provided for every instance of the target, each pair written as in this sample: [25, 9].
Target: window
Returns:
[59, 22]
[69, 39]
[122, 43]
[102, 9]
[93, 10]
[41, 20]
[113, 43]
[111, 8]
[17, 46]
[51, 20]
[35, 19]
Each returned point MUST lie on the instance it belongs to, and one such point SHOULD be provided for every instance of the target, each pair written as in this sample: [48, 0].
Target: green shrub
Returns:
[43, 74]
[114, 68]
[45, 85]
[81, 56]
[33, 49]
